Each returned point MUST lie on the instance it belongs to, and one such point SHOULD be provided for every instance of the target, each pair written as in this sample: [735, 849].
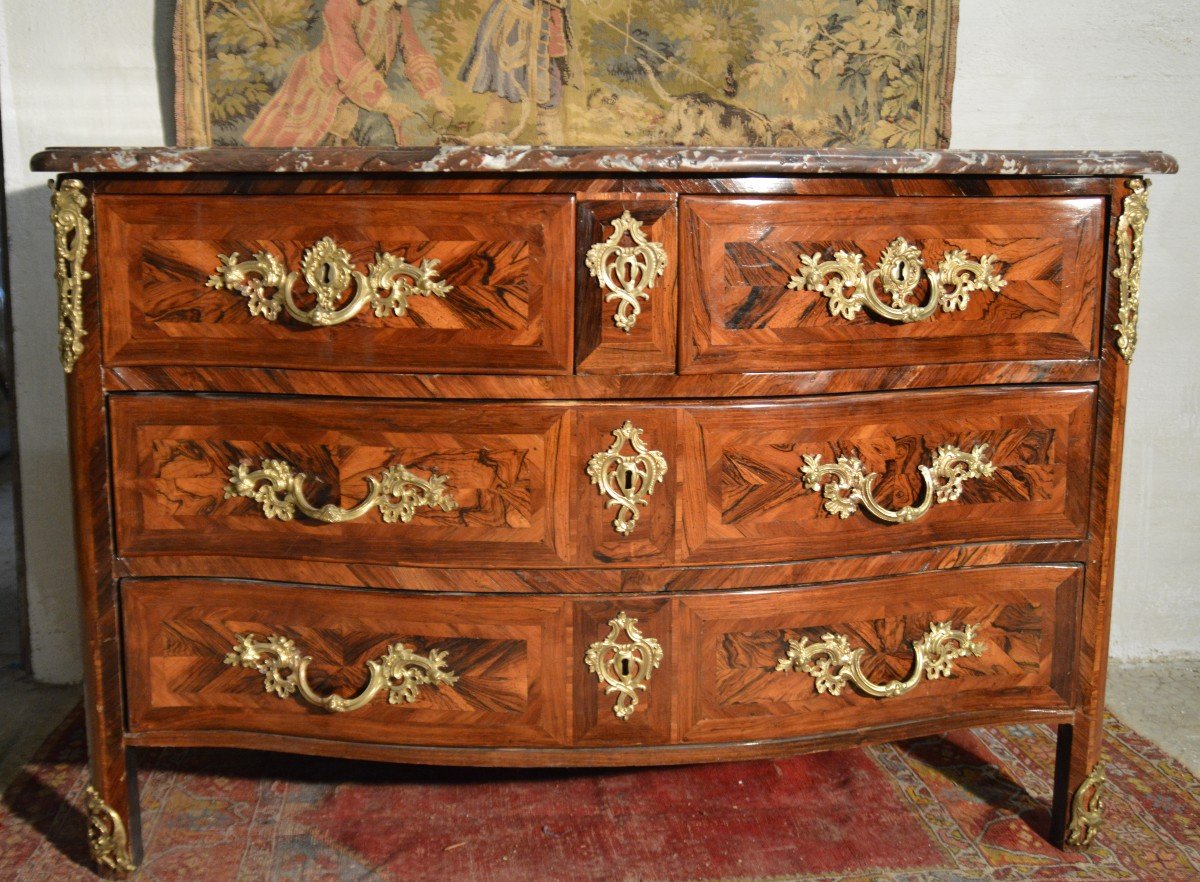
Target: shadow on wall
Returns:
[164, 57]
[49, 554]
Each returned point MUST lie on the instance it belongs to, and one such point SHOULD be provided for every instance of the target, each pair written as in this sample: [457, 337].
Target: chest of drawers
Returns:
[571, 457]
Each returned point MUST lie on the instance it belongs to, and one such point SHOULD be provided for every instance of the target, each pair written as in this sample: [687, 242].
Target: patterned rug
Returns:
[968, 806]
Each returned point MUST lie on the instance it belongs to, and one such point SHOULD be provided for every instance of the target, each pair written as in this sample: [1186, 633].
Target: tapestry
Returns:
[382, 73]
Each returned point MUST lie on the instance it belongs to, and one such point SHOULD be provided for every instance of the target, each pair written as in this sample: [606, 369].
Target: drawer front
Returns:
[475, 284]
[879, 473]
[407, 670]
[435, 484]
[791, 284]
[738, 682]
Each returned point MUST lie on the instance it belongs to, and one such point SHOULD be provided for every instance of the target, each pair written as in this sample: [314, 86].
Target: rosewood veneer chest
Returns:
[524, 457]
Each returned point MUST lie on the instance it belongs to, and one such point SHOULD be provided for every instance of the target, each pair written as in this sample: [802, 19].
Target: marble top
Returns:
[599, 160]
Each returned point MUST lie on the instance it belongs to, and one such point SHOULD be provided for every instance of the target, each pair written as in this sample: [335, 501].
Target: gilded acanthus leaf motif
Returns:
[328, 273]
[107, 836]
[846, 484]
[833, 664]
[1130, 231]
[72, 233]
[285, 672]
[1087, 809]
[279, 489]
[849, 286]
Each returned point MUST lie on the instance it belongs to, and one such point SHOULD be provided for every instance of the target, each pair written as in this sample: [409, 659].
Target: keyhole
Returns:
[628, 479]
[624, 667]
[326, 274]
[899, 274]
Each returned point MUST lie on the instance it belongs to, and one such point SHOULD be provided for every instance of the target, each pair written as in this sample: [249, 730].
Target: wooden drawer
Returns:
[459, 485]
[525, 671]
[509, 262]
[748, 303]
[737, 682]
[527, 484]
[483, 671]
[751, 491]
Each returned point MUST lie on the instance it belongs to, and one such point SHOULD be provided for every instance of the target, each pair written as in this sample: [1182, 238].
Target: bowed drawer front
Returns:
[850, 475]
[433, 484]
[420, 670]
[812, 284]
[551, 484]
[533, 457]
[375, 283]
[779, 664]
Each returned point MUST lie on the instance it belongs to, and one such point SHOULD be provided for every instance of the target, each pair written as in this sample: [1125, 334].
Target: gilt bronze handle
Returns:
[386, 285]
[849, 483]
[849, 286]
[285, 672]
[833, 664]
[279, 489]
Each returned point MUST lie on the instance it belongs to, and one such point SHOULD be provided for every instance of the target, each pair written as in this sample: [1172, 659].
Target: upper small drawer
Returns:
[469, 284]
[817, 283]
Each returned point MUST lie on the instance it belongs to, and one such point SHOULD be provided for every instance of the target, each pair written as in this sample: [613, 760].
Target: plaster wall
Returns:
[1031, 74]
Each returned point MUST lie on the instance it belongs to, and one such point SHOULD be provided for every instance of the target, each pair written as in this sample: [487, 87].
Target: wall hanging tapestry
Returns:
[786, 73]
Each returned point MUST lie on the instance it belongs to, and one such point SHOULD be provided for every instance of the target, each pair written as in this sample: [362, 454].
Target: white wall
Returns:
[71, 72]
[1110, 74]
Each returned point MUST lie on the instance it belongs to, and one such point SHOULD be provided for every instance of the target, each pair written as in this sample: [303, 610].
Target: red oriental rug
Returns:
[965, 807]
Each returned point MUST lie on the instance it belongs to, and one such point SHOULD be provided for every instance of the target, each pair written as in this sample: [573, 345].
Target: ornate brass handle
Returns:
[327, 272]
[627, 479]
[279, 489]
[850, 484]
[625, 668]
[627, 272]
[833, 664]
[285, 672]
[849, 287]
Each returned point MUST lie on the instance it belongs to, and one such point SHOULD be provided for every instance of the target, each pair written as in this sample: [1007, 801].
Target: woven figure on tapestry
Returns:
[320, 100]
[695, 73]
[520, 57]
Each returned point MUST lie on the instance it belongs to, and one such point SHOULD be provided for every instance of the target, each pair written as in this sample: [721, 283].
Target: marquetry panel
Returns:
[172, 458]
[743, 497]
[595, 722]
[739, 255]
[601, 347]
[509, 260]
[512, 686]
[730, 689]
